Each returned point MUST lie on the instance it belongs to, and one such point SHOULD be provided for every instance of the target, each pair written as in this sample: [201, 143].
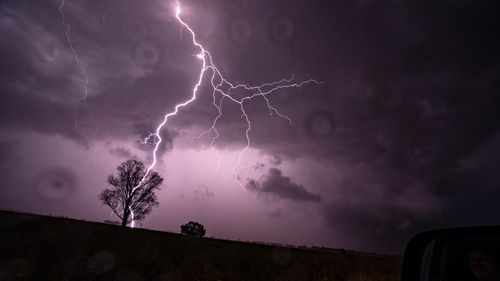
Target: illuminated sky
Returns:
[403, 134]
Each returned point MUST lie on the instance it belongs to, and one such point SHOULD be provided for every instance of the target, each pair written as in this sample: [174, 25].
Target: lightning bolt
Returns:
[132, 224]
[223, 87]
[83, 70]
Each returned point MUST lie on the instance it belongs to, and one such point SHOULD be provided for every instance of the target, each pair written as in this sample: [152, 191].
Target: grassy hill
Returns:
[34, 247]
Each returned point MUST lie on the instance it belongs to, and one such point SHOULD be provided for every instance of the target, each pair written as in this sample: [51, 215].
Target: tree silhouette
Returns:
[129, 197]
[193, 228]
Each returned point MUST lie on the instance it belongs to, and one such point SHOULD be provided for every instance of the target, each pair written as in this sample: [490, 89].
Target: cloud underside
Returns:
[275, 185]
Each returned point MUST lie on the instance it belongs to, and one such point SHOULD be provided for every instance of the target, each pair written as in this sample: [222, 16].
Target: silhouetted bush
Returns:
[193, 228]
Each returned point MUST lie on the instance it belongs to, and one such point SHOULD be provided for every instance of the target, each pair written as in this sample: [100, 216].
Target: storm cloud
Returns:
[281, 187]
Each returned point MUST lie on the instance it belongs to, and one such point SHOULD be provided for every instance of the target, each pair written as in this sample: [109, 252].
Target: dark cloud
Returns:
[369, 101]
[259, 166]
[122, 152]
[480, 167]
[371, 233]
[147, 142]
[8, 150]
[275, 160]
[276, 185]
[378, 217]
[126, 78]
[44, 117]
[276, 214]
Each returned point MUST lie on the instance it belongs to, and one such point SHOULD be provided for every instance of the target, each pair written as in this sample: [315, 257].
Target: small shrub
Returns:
[193, 228]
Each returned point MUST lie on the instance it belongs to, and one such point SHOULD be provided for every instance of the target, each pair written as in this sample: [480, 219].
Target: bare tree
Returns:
[131, 197]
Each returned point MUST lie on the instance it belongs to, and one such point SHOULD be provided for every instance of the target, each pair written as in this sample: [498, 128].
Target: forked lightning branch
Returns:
[223, 87]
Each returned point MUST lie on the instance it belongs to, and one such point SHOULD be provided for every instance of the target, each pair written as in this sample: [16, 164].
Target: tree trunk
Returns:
[124, 221]
[126, 213]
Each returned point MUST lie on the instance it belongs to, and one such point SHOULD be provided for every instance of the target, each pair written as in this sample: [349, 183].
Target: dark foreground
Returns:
[36, 247]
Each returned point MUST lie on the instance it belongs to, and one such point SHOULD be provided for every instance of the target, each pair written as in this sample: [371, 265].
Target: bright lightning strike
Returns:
[132, 224]
[81, 68]
[222, 86]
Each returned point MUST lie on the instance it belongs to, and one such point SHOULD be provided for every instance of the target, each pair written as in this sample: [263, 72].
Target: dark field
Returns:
[36, 247]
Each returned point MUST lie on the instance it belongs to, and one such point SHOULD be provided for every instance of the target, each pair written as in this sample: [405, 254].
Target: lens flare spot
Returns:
[55, 184]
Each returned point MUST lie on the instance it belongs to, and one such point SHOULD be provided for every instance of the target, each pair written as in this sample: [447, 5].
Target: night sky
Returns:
[402, 136]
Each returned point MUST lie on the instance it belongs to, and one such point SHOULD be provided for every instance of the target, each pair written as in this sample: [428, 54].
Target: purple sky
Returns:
[403, 135]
